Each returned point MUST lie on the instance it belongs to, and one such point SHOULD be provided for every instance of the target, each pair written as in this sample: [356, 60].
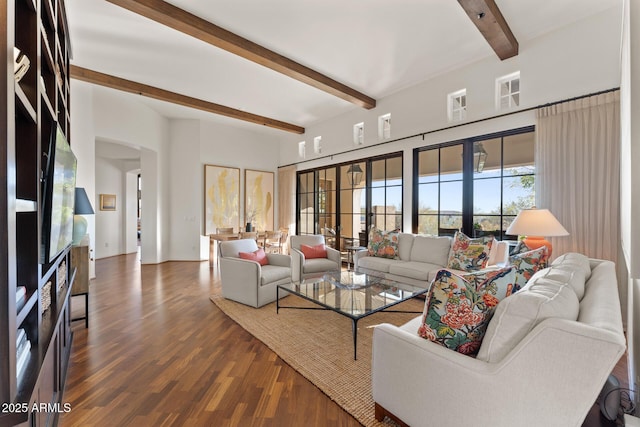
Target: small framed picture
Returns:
[107, 202]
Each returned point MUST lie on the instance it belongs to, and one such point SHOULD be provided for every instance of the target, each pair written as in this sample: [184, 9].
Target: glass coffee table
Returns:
[351, 294]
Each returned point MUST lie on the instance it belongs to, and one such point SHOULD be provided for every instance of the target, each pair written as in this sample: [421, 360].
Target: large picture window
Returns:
[476, 185]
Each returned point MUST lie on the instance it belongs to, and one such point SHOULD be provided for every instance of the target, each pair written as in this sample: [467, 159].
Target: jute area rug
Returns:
[319, 345]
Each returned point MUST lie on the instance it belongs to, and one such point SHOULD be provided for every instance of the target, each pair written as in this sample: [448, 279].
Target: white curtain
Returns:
[578, 173]
[287, 200]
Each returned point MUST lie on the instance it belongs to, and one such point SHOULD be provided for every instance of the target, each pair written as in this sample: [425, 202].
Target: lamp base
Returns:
[535, 242]
[79, 229]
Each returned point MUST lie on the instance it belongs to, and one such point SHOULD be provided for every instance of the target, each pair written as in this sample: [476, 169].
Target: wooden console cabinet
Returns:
[80, 261]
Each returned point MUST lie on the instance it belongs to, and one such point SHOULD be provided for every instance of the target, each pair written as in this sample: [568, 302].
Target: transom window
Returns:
[457, 105]
[508, 91]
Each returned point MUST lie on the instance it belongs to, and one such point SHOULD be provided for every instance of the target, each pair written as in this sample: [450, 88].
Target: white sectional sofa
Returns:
[419, 259]
[547, 352]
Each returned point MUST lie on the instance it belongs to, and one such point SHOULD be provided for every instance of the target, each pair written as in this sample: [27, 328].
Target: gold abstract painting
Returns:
[258, 199]
[221, 198]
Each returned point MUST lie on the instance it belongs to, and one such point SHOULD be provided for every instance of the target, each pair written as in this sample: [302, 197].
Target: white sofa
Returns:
[419, 259]
[547, 352]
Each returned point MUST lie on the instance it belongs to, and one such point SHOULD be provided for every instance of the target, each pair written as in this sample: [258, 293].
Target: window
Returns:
[301, 149]
[358, 134]
[457, 105]
[317, 144]
[384, 126]
[386, 193]
[477, 185]
[343, 201]
[306, 203]
[508, 91]
[440, 184]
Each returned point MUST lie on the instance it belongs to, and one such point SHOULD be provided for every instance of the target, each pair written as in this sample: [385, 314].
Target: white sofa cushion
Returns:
[376, 263]
[405, 244]
[415, 270]
[274, 273]
[233, 248]
[565, 274]
[431, 249]
[575, 260]
[518, 314]
[318, 265]
[598, 308]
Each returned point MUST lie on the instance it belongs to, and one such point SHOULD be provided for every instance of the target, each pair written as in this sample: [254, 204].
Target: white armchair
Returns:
[302, 267]
[248, 282]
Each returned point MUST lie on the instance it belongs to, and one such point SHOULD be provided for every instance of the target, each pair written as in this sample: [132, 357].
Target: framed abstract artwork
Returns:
[258, 199]
[221, 198]
[107, 202]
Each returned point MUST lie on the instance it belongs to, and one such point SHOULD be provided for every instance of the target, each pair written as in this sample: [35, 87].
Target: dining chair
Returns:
[273, 242]
[249, 235]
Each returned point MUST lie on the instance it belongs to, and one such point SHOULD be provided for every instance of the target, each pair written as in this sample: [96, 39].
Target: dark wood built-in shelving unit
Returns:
[34, 107]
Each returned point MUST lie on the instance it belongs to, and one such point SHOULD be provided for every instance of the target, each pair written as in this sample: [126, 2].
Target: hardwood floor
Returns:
[158, 353]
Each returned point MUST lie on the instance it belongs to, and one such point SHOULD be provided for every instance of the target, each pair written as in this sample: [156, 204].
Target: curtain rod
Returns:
[422, 134]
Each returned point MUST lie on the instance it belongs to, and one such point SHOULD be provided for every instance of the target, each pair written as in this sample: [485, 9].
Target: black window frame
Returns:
[467, 179]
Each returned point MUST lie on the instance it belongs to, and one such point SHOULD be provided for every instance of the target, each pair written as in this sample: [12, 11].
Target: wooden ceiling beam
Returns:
[118, 83]
[185, 22]
[486, 15]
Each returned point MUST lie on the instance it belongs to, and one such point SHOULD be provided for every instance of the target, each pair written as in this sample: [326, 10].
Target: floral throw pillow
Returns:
[526, 264]
[469, 254]
[457, 312]
[383, 244]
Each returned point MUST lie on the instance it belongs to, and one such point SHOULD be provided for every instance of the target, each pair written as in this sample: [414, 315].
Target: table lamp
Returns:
[82, 207]
[535, 223]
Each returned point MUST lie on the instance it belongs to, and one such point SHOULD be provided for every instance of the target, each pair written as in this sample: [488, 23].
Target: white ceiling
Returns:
[375, 46]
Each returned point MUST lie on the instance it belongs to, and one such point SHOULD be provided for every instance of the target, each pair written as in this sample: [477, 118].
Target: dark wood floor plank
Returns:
[158, 353]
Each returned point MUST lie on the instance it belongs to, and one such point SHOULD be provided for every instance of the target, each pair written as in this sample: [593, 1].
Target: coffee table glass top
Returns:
[353, 294]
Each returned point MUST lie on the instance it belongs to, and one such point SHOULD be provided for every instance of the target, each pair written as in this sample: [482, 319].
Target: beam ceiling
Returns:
[486, 15]
[113, 82]
[185, 22]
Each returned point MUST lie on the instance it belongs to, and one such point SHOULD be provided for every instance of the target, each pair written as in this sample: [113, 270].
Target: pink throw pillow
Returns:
[317, 251]
[258, 256]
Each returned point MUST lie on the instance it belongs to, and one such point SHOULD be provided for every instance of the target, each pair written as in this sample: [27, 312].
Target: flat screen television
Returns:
[58, 197]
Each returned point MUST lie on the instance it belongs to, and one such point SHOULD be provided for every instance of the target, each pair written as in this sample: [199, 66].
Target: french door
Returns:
[344, 201]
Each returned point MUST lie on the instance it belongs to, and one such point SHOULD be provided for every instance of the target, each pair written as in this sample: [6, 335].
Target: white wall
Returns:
[227, 146]
[130, 230]
[83, 146]
[109, 224]
[186, 189]
[569, 62]
[630, 181]
[107, 115]
[193, 144]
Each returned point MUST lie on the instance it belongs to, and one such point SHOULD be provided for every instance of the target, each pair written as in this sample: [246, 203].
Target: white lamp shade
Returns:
[536, 222]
